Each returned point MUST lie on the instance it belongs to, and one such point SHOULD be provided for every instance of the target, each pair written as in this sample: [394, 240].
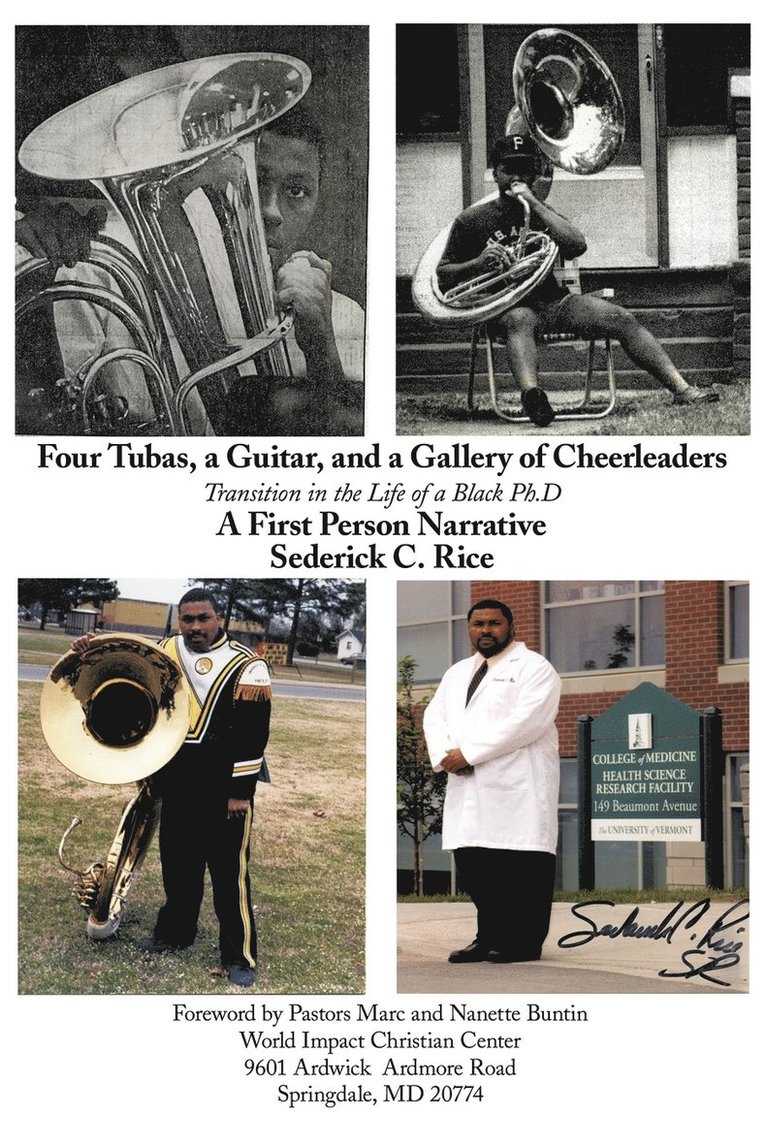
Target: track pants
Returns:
[195, 836]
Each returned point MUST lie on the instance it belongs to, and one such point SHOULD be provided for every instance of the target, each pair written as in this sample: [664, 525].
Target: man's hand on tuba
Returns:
[59, 233]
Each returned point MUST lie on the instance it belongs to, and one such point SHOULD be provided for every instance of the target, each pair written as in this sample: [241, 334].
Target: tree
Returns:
[624, 642]
[419, 791]
[322, 601]
[62, 594]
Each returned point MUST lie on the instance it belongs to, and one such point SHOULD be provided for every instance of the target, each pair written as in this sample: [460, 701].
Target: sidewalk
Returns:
[623, 964]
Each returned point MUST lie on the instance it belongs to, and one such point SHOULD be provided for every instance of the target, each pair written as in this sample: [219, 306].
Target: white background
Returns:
[117, 1068]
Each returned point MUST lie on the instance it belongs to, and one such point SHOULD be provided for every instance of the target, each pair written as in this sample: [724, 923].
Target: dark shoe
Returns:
[472, 952]
[241, 976]
[508, 957]
[152, 947]
[693, 395]
[536, 407]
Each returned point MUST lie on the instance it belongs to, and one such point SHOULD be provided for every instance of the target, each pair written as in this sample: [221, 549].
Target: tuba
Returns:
[175, 152]
[115, 713]
[568, 102]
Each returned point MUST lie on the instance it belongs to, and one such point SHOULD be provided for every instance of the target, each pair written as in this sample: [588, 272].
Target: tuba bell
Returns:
[175, 152]
[568, 103]
[114, 713]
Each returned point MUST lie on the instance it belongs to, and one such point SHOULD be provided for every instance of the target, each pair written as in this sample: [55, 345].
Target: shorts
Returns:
[549, 317]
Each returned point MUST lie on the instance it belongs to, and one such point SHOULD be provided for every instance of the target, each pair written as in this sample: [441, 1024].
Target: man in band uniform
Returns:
[490, 726]
[548, 308]
[208, 788]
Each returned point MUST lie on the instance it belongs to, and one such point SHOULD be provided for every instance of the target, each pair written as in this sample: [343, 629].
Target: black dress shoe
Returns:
[508, 957]
[472, 952]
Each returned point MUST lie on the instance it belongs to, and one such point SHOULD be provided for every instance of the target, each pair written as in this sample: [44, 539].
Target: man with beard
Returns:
[208, 788]
[490, 727]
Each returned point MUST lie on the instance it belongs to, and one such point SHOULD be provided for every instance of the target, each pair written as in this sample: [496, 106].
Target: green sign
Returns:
[645, 769]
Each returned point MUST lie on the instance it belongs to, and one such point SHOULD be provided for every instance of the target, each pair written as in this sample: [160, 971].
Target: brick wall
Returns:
[694, 649]
[741, 269]
[741, 108]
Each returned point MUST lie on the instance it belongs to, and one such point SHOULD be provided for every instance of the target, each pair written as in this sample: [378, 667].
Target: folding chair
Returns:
[587, 407]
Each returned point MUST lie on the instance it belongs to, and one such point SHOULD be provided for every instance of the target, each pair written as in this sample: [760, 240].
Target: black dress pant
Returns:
[195, 835]
[513, 893]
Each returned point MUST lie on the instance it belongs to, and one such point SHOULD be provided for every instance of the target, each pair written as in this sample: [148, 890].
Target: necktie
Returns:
[475, 680]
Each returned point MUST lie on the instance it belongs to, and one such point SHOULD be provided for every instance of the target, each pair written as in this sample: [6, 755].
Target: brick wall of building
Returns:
[741, 269]
[741, 108]
[694, 649]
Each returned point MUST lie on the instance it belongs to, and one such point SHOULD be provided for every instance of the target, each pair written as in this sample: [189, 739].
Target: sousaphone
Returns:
[115, 713]
[568, 103]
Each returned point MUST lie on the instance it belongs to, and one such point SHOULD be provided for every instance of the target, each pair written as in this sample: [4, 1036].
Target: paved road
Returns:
[313, 691]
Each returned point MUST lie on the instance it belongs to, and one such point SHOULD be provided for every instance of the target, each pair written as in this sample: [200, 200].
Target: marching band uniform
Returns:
[221, 758]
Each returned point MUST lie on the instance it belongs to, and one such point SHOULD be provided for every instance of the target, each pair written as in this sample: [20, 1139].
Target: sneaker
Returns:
[536, 407]
[241, 976]
[153, 946]
[693, 395]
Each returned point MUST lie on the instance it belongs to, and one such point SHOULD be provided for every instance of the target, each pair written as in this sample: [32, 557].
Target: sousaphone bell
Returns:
[115, 713]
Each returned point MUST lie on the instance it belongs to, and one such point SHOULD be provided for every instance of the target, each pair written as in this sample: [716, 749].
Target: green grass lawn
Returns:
[43, 647]
[443, 411]
[307, 868]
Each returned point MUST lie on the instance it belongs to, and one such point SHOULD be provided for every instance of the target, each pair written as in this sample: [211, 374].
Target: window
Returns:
[597, 626]
[737, 820]
[427, 81]
[432, 627]
[697, 97]
[567, 852]
[737, 621]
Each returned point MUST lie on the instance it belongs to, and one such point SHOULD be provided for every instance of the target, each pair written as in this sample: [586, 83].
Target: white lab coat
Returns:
[507, 733]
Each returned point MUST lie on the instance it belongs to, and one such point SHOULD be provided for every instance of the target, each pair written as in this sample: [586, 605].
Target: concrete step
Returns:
[664, 323]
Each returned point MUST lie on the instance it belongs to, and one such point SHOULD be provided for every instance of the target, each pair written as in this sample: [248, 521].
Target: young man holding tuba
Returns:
[208, 788]
[473, 249]
[326, 344]
[243, 291]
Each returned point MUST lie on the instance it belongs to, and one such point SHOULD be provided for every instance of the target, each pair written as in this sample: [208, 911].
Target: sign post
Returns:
[712, 762]
[586, 853]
